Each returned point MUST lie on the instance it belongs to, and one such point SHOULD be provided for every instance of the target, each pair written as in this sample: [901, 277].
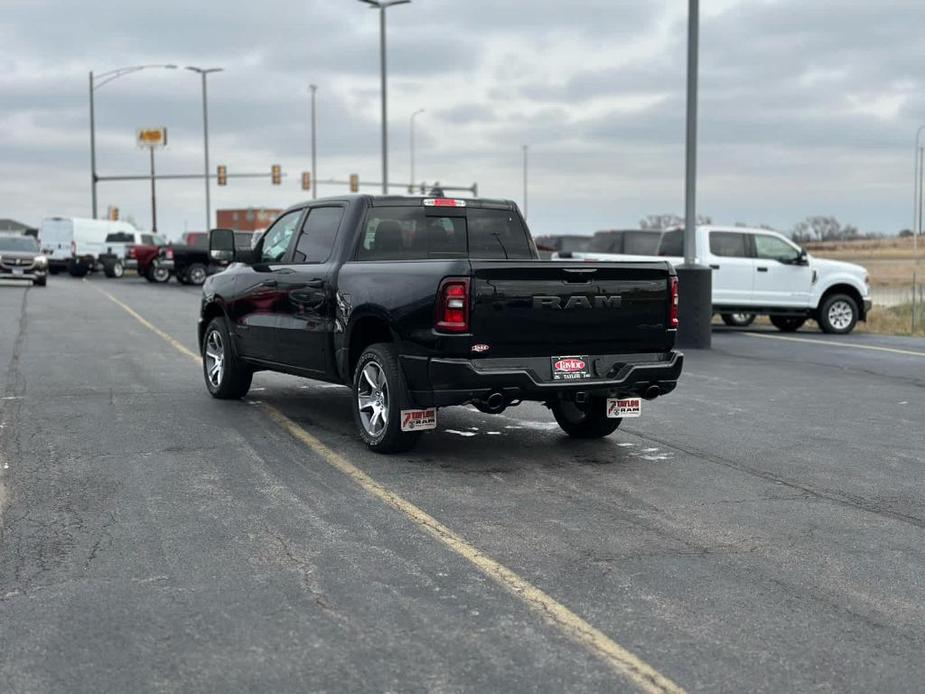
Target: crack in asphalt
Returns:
[831, 495]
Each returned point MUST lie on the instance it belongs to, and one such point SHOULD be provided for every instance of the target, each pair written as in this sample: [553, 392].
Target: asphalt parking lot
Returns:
[761, 529]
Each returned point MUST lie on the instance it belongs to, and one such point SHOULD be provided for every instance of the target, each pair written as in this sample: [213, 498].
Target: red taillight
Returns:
[453, 305]
[673, 312]
[130, 252]
[169, 254]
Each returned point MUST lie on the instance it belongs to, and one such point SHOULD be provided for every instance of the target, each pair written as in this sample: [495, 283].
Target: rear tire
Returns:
[379, 382]
[227, 378]
[195, 274]
[588, 422]
[787, 324]
[838, 314]
[113, 269]
[738, 320]
[77, 271]
[40, 282]
[158, 275]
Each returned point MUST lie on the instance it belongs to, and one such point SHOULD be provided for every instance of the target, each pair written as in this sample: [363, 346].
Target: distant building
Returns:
[9, 225]
[247, 219]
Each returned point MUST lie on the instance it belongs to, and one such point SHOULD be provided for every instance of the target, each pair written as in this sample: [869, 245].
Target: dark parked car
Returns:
[21, 259]
[420, 303]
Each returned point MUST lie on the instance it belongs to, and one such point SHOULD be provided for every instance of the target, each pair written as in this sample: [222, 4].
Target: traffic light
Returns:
[222, 175]
[276, 174]
[306, 180]
[354, 183]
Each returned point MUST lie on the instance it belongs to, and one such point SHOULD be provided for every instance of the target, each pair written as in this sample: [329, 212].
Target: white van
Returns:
[75, 244]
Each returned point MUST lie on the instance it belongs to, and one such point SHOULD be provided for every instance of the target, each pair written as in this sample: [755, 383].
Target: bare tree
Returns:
[823, 228]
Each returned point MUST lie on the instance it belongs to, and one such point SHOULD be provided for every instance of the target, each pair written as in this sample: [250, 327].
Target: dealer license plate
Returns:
[574, 368]
[418, 420]
[618, 408]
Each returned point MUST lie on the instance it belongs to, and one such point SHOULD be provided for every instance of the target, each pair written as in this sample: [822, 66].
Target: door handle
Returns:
[269, 283]
[714, 267]
[315, 284]
[762, 269]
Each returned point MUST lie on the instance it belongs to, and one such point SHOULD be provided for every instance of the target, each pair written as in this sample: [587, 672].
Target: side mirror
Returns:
[221, 245]
[803, 258]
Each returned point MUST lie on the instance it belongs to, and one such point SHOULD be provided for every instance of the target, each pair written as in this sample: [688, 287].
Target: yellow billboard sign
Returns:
[151, 137]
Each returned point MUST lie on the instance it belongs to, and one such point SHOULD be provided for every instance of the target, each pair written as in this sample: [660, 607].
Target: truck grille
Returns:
[10, 263]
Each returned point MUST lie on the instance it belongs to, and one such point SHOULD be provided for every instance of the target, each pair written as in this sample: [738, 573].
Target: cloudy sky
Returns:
[807, 107]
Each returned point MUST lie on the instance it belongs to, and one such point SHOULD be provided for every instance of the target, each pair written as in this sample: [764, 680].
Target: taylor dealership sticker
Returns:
[617, 408]
[570, 368]
[417, 420]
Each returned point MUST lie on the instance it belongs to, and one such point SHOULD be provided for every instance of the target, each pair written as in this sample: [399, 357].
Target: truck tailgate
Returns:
[533, 308]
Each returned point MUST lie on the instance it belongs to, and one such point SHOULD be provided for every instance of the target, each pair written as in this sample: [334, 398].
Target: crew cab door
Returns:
[733, 268]
[307, 290]
[259, 297]
[780, 279]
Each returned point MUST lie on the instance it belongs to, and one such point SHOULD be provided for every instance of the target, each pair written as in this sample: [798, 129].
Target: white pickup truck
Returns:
[757, 271]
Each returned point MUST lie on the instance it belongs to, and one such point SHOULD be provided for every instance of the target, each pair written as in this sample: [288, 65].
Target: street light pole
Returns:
[92, 149]
[153, 195]
[203, 72]
[382, 5]
[313, 88]
[695, 281]
[413, 116]
[97, 81]
[525, 181]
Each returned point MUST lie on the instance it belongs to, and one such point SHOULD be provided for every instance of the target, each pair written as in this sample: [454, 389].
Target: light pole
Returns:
[917, 197]
[97, 81]
[695, 281]
[205, 134]
[413, 116]
[313, 88]
[382, 5]
[525, 181]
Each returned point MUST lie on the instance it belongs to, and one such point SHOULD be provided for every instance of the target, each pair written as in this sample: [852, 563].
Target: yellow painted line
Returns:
[829, 343]
[177, 345]
[622, 661]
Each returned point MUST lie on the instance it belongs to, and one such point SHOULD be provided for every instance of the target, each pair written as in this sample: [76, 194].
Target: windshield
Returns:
[413, 233]
[19, 244]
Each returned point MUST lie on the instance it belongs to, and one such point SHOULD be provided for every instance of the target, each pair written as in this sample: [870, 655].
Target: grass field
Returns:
[890, 262]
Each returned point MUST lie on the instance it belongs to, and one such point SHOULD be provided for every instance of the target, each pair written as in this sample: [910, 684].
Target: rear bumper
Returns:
[436, 382]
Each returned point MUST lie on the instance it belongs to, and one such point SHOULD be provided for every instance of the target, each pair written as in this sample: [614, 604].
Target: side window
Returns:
[318, 233]
[147, 240]
[773, 248]
[672, 243]
[728, 244]
[276, 240]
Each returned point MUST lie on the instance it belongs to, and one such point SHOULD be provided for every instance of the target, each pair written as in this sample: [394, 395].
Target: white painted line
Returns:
[829, 343]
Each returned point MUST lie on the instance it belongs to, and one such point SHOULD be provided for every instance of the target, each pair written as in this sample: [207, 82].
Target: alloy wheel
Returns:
[373, 398]
[840, 315]
[215, 358]
[196, 275]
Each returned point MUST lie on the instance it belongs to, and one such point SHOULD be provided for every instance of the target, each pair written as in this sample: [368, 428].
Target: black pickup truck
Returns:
[421, 303]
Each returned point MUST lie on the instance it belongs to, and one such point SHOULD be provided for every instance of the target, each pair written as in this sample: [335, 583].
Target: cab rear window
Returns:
[411, 233]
